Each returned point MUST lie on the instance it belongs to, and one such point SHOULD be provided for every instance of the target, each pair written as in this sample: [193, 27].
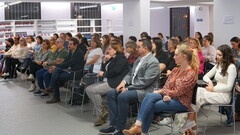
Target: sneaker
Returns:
[118, 132]
[43, 95]
[5, 74]
[37, 93]
[30, 77]
[165, 121]
[104, 114]
[109, 130]
[32, 87]
[188, 125]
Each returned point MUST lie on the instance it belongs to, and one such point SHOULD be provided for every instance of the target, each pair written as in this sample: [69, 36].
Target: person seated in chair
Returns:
[224, 72]
[176, 95]
[43, 75]
[140, 80]
[74, 62]
[114, 70]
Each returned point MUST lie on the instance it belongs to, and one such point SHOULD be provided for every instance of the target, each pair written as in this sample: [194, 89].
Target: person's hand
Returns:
[38, 62]
[120, 86]
[169, 72]
[51, 69]
[45, 63]
[58, 61]
[210, 87]
[100, 73]
[166, 98]
[157, 91]
[124, 89]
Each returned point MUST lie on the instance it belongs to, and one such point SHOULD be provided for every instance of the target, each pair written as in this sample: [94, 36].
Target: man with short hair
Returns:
[140, 80]
[74, 62]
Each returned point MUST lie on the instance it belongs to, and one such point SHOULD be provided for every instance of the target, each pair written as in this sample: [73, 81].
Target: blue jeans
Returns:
[58, 76]
[43, 77]
[118, 105]
[153, 103]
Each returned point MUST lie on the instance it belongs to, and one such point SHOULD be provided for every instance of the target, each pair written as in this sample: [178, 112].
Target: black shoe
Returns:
[109, 130]
[44, 95]
[37, 93]
[118, 132]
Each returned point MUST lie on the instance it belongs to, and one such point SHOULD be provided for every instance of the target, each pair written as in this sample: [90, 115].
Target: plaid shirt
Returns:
[180, 86]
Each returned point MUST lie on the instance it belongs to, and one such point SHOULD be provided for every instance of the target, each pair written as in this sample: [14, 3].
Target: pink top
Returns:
[201, 60]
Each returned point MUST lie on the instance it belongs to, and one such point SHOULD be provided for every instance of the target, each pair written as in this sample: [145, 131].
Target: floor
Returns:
[22, 113]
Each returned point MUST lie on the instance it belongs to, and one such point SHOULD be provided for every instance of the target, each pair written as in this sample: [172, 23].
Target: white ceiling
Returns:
[153, 2]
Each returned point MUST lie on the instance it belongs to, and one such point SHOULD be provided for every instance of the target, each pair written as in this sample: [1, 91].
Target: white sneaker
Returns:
[188, 125]
[30, 77]
[166, 121]
[5, 74]
[32, 87]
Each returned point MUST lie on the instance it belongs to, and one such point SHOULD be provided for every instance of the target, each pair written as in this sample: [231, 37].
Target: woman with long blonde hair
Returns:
[176, 95]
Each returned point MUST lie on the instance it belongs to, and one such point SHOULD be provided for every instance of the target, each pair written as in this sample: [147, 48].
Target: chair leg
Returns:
[206, 123]
[234, 124]
[72, 97]
[84, 92]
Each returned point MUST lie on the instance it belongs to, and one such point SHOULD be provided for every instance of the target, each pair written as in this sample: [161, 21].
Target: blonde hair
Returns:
[199, 48]
[192, 56]
[24, 41]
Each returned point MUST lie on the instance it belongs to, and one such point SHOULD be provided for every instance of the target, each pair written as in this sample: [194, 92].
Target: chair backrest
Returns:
[194, 96]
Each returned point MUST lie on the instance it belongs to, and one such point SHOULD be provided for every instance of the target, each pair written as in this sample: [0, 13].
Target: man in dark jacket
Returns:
[74, 62]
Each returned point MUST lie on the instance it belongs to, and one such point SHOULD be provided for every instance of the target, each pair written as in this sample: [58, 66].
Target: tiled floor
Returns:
[22, 113]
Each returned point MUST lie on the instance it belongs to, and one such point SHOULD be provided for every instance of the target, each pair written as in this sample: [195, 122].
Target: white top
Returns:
[209, 54]
[20, 53]
[12, 49]
[31, 45]
[92, 53]
[224, 83]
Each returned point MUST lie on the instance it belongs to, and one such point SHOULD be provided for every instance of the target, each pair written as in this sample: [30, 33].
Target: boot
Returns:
[30, 77]
[99, 121]
[32, 87]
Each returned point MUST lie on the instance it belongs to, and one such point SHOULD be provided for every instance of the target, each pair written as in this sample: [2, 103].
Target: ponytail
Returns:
[192, 56]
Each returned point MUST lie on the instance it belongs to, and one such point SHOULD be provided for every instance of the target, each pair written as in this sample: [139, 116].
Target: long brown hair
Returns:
[227, 58]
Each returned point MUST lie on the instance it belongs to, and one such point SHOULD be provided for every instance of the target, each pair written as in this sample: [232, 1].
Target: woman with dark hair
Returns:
[55, 36]
[36, 64]
[198, 35]
[94, 54]
[210, 34]
[9, 44]
[224, 72]
[105, 43]
[114, 68]
[83, 45]
[179, 39]
[31, 42]
[235, 42]
[38, 46]
[209, 53]
[159, 53]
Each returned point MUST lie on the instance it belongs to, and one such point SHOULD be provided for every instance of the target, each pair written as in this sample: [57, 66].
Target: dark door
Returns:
[180, 22]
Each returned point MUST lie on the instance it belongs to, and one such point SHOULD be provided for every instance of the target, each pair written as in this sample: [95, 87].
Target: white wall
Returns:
[55, 10]
[115, 13]
[160, 22]
[2, 11]
[224, 32]
[199, 12]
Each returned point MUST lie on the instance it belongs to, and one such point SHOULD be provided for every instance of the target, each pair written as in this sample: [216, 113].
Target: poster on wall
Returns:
[228, 19]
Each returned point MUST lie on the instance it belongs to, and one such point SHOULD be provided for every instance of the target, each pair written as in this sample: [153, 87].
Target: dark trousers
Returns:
[11, 65]
[39, 75]
[34, 67]
[58, 77]
[118, 105]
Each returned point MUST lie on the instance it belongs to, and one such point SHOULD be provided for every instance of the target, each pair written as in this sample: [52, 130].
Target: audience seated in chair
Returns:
[114, 68]
[209, 53]
[224, 72]
[140, 80]
[176, 95]
[74, 62]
